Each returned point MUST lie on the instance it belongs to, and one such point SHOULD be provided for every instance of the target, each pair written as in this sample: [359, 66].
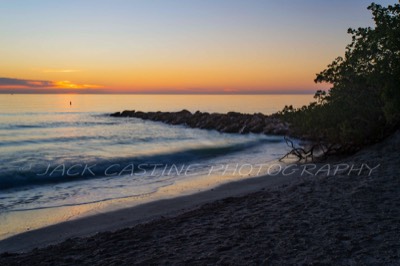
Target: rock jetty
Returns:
[232, 122]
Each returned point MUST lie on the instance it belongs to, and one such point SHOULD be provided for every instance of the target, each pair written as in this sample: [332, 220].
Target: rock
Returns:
[232, 122]
[184, 112]
[234, 114]
[117, 114]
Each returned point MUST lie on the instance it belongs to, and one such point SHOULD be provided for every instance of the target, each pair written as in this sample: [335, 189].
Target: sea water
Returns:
[64, 152]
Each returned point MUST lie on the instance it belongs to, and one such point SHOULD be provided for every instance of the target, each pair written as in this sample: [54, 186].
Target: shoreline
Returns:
[25, 221]
[339, 219]
[141, 213]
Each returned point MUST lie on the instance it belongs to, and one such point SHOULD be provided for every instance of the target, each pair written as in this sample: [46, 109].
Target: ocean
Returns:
[63, 156]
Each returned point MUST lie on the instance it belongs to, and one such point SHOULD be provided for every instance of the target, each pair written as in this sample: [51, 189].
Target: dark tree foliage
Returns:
[363, 104]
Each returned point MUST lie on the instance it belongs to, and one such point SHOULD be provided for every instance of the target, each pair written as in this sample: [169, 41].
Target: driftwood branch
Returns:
[303, 154]
[300, 153]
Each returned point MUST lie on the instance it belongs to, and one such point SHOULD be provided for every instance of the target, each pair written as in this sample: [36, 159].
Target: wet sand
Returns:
[335, 219]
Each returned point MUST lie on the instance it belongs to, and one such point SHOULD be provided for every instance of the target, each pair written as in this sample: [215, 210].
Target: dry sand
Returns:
[341, 219]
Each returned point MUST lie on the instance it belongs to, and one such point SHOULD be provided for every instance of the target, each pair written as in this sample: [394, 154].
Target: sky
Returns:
[173, 46]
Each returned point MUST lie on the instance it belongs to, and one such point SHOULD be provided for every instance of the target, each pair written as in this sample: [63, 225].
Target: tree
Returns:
[363, 104]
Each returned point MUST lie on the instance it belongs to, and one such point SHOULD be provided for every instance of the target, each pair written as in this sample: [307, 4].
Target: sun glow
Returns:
[66, 84]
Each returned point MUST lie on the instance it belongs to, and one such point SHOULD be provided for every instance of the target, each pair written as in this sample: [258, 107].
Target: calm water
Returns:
[266, 104]
[54, 155]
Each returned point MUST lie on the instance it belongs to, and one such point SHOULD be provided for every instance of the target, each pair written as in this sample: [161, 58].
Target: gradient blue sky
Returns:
[173, 46]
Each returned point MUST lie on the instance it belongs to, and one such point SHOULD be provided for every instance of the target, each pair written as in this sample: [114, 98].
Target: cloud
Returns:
[12, 83]
[27, 83]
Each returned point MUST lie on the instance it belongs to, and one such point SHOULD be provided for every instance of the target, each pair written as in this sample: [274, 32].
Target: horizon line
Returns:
[305, 92]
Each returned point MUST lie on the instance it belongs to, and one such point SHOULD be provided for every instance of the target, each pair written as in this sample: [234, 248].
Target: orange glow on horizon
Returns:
[66, 84]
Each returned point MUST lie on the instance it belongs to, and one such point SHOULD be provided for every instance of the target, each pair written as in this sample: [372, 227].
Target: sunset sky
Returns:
[160, 46]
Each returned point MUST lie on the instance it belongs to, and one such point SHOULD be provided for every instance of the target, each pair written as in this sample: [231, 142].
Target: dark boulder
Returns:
[117, 114]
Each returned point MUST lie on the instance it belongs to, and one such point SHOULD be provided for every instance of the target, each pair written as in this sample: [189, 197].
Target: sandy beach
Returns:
[347, 218]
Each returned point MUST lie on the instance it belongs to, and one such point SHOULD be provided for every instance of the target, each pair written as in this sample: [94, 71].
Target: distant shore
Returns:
[341, 219]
